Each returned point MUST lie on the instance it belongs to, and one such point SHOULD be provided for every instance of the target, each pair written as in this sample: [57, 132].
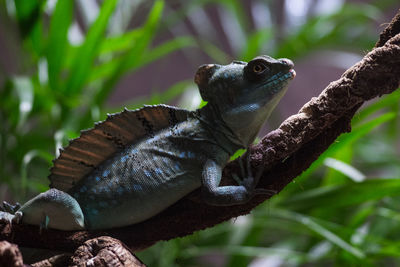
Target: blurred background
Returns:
[65, 64]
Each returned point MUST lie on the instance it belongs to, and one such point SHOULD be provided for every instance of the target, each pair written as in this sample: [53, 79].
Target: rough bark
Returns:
[285, 153]
[10, 256]
[103, 251]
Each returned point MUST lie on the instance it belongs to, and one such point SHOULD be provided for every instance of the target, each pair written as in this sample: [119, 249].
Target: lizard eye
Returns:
[256, 69]
[259, 68]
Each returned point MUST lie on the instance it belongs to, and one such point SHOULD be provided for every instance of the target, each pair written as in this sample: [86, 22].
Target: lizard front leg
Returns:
[216, 195]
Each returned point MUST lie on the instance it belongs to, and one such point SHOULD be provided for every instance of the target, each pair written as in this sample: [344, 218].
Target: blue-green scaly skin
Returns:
[147, 177]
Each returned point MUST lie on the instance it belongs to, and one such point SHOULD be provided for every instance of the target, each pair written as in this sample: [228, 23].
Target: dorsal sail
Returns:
[96, 145]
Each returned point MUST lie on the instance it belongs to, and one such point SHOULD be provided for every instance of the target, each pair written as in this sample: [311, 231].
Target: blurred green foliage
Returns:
[344, 210]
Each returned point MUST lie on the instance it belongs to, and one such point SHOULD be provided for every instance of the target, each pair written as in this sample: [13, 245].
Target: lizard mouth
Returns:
[293, 72]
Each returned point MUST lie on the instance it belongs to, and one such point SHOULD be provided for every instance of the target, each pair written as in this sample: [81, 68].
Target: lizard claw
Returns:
[258, 174]
[236, 178]
[242, 171]
[250, 181]
[263, 191]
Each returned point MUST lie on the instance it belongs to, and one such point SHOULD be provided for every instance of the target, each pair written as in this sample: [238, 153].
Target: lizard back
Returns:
[147, 177]
[94, 146]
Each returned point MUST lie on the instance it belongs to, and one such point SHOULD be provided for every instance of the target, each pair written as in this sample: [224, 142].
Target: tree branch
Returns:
[101, 251]
[284, 153]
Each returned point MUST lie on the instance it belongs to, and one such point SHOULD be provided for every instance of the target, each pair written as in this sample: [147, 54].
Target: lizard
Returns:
[137, 163]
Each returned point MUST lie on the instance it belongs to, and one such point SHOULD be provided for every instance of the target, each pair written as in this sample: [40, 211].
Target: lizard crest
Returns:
[94, 146]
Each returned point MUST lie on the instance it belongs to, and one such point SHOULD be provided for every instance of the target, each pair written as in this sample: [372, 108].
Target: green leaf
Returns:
[244, 251]
[107, 69]
[133, 57]
[170, 94]
[388, 213]
[332, 176]
[238, 11]
[167, 48]
[28, 14]
[237, 154]
[313, 225]
[148, 32]
[214, 52]
[24, 88]
[255, 43]
[332, 30]
[156, 98]
[203, 103]
[347, 139]
[343, 195]
[169, 253]
[345, 168]
[28, 157]
[25, 9]
[82, 64]
[386, 101]
[119, 43]
[58, 40]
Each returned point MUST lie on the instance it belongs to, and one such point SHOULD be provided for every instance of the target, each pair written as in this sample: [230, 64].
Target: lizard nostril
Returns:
[287, 62]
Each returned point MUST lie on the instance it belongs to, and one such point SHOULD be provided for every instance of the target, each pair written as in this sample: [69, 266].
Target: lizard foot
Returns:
[7, 207]
[249, 180]
[9, 212]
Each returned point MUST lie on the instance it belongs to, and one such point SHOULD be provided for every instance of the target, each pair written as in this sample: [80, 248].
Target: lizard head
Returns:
[244, 94]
